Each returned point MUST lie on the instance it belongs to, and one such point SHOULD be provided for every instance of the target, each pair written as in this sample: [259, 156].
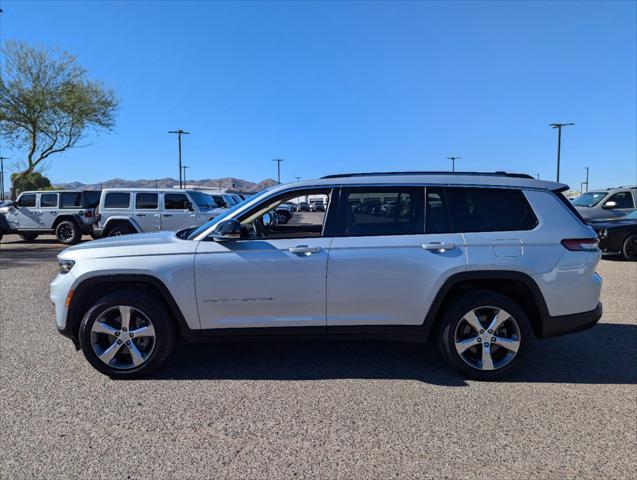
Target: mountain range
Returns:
[230, 183]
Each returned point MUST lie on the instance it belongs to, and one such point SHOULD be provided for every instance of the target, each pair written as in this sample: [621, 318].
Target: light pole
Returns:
[297, 178]
[586, 179]
[179, 133]
[559, 142]
[453, 162]
[184, 167]
[2, 159]
[278, 168]
[537, 175]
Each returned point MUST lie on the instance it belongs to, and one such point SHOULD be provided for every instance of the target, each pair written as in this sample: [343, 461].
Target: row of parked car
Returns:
[69, 214]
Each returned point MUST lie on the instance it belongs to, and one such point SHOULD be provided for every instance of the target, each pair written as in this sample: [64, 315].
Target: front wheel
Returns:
[126, 335]
[629, 249]
[485, 335]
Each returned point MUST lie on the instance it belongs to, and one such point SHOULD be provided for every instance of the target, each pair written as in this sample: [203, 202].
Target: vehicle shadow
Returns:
[15, 256]
[604, 355]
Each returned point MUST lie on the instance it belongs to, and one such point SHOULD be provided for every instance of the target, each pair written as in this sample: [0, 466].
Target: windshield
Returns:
[202, 200]
[589, 199]
[227, 213]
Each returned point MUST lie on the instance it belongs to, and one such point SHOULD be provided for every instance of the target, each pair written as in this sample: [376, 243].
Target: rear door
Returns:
[48, 209]
[176, 214]
[384, 267]
[147, 212]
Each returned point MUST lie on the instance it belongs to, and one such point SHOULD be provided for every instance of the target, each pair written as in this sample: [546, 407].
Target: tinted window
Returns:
[49, 200]
[589, 199]
[147, 200]
[175, 201]
[489, 210]
[381, 211]
[203, 200]
[436, 213]
[71, 200]
[117, 200]
[92, 198]
[27, 200]
[623, 200]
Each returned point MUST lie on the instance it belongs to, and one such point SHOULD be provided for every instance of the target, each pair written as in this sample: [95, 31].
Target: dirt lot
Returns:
[311, 409]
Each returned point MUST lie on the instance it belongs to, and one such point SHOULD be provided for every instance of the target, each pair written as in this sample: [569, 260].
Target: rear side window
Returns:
[436, 211]
[147, 201]
[489, 210]
[49, 200]
[623, 200]
[71, 200]
[175, 201]
[27, 200]
[381, 211]
[117, 200]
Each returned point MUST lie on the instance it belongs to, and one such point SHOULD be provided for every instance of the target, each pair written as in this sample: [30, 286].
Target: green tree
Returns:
[30, 181]
[48, 104]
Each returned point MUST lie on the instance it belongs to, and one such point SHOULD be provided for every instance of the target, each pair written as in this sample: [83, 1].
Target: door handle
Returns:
[438, 246]
[141, 214]
[304, 249]
[168, 215]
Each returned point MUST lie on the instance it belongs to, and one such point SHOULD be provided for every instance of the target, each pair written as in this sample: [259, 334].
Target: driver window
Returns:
[295, 215]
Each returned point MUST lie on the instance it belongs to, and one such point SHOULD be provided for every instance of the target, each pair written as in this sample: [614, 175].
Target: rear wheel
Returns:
[68, 233]
[27, 236]
[629, 249]
[121, 229]
[126, 335]
[485, 335]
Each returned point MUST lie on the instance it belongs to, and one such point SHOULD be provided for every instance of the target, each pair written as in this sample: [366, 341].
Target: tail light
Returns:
[88, 213]
[581, 244]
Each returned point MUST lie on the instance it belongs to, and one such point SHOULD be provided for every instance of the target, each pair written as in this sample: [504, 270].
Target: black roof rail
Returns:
[381, 174]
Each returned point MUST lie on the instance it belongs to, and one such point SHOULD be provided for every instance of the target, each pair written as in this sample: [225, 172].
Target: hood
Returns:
[610, 223]
[157, 243]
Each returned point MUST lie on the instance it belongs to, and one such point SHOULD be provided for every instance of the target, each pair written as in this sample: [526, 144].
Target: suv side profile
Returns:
[68, 214]
[123, 211]
[485, 263]
[605, 204]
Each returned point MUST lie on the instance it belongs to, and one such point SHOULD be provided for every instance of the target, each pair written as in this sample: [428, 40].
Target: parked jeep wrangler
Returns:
[68, 214]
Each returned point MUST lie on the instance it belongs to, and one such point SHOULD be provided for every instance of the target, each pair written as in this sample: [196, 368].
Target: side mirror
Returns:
[189, 206]
[609, 205]
[227, 230]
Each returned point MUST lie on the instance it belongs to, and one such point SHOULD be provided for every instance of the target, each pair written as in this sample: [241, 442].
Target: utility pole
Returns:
[297, 178]
[586, 179]
[184, 170]
[2, 159]
[559, 142]
[179, 133]
[278, 168]
[453, 162]
[537, 175]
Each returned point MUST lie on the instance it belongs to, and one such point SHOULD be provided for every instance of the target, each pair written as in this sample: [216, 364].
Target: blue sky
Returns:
[350, 86]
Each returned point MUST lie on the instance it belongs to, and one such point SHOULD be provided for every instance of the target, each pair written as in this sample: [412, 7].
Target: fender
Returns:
[118, 218]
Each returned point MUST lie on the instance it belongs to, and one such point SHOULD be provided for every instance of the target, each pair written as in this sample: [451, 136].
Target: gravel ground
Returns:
[311, 409]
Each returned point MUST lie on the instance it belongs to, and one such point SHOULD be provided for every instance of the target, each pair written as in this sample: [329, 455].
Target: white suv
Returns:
[485, 262]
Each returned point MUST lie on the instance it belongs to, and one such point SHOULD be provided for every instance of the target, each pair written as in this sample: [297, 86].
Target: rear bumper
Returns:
[564, 324]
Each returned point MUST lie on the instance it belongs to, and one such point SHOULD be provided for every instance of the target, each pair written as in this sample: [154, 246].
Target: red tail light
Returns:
[581, 244]
[88, 213]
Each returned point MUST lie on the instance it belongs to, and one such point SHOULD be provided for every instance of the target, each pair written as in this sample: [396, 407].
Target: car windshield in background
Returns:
[202, 200]
[589, 199]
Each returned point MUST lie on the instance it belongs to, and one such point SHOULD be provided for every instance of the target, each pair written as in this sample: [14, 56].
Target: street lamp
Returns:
[179, 133]
[278, 168]
[559, 142]
[2, 159]
[453, 162]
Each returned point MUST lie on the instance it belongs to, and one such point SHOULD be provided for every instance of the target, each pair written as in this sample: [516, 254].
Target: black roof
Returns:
[382, 174]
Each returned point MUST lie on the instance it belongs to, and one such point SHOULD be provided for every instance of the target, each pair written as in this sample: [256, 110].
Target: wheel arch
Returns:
[517, 286]
[64, 217]
[92, 289]
[112, 222]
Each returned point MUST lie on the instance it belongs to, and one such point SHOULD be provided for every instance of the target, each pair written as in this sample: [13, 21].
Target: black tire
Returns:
[120, 229]
[629, 249]
[94, 235]
[453, 316]
[68, 233]
[28, 236]
[164, 328]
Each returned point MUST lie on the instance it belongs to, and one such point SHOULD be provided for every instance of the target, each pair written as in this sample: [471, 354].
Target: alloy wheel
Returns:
[123, 337]
[487, 338]
[65, 232]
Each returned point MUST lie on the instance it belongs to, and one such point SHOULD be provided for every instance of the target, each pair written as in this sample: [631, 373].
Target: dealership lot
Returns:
[311, 409]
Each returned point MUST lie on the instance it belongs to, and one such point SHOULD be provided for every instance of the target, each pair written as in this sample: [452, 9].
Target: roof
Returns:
[135, 189]
[60, 191]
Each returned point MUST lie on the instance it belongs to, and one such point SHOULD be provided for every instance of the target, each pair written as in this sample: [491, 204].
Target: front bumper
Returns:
[564, 324]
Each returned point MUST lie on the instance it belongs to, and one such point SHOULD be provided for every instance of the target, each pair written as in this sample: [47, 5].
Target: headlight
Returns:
[65, 265]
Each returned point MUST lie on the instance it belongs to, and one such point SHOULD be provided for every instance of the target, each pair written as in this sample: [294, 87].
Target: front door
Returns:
[24, 216]
[273, 277]
[385, 268]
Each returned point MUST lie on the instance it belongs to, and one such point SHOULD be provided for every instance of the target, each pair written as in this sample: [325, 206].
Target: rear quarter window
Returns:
[489, 210]
[71, 200]
[117, 200]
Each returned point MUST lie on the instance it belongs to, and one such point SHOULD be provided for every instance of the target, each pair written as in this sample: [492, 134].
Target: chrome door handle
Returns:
[438, 246]
[167, 214]
[304, 249]
[141, 214]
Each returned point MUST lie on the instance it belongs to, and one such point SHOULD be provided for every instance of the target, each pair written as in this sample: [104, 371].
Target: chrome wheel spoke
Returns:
[125, 316]
[135, 354]
[103, 327]
[508, 343]
[462, 345]
[107, 355]
[472, 319]
[487, 361]
[147, 331]
[498, 319]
